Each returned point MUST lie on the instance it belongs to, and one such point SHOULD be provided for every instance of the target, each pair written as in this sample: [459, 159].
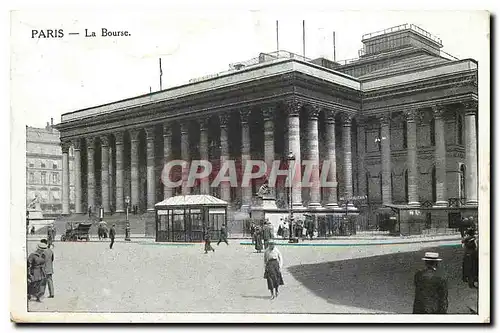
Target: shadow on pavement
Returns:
[384, 283]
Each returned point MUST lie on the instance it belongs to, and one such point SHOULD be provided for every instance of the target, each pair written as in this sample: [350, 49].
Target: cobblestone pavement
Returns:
[156, 277]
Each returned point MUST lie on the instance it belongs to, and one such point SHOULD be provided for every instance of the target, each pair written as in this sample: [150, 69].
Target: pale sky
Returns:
[54, 76]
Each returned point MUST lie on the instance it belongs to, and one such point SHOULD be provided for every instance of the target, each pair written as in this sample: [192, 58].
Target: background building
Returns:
[44, 169]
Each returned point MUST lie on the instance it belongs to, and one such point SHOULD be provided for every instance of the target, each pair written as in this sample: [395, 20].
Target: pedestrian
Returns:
[223, 235]
[286, 230]
[309, 227]
[112, 233]
[90, 211]
[50, 236]
[208, 246]
[258, 239]
[32, 230]
[36, 272]
[470, 260]
[49, 270]
[431, 290]
[252, 232]
[273, 263]
[267, 234]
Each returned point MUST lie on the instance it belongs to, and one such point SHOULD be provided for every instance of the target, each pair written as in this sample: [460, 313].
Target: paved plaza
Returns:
[143, 276]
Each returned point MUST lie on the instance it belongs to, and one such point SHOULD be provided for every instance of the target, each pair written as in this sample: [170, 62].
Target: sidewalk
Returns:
[334, 241]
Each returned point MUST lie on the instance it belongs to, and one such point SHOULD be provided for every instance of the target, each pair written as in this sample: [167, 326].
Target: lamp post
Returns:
[127, 227]
[291, 158]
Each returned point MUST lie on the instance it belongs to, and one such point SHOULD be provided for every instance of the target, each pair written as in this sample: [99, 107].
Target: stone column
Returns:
[293, 108]
[204, 183]
[440, 156]
[150, 168]
[134, 168]
[346, 141]
[312, 138]
[90, 174]
[105, 173]
[385, 142]
[362, 186]
[167, 152]
[331, 156]
[119, 172]
[78, 176]
[471, 177]
[411, 159]
[225, 189]
[246, 189]
[269, 154]
[185, 157]
[65, 177]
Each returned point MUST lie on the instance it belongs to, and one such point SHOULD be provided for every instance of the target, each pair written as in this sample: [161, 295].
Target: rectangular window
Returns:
[31, 177]
[54, 166]
[42, 165]
[44, 178]
[55, 178]
[32, 165]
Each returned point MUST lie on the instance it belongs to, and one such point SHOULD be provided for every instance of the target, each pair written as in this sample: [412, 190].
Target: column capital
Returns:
[203, 122]
[167, 130]
[104, 140]
[65, 146]
[384, 118]
[77, 145]
[360, 120]
[312, 111]
[90, 141]
[293, 107]
[330, 115]
[438, 111]
[118, 138]
[268, 112]
[150, 132]
[469, 107]
[347, 119]
[134, 134]
[245, 114]
[224, 119]
[411, 115]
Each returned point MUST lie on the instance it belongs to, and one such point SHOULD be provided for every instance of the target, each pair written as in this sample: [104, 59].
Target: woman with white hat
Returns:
[36, 272]
[273, 262]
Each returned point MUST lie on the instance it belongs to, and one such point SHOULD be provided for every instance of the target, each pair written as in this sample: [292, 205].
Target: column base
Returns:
[120, 211]
[296, 207]
[441, 204]
[315, 205]
[472, 203]
[414, 204]
[150, 210]
[245, 208]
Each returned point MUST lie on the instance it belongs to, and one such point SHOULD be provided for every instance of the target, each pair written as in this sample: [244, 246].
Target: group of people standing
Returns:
[261, 235]
[40, 271]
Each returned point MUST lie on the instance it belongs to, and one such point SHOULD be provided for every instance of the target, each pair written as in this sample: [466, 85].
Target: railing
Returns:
[265, 57]
[404, 27]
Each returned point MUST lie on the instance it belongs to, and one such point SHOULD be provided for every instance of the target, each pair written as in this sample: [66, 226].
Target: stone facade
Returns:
[401, 132]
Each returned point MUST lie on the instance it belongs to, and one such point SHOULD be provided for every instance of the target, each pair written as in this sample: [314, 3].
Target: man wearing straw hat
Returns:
[431, 290]
[36, 272]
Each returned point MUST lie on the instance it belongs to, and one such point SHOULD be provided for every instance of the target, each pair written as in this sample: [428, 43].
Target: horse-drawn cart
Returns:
[81, 232]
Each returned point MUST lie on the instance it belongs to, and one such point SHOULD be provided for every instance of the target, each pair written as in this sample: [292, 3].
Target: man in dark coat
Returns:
[112, 233]
[431, 290]
[252, 232]
[90, 211]
[223, 235]
[49, 269]
[36, 272]
[267, 234]
[206, 237]
[470, 261]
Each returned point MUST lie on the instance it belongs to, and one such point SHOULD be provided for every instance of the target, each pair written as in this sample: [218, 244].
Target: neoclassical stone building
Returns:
[400, 123]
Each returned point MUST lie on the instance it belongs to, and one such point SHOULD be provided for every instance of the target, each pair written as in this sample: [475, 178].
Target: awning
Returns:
[191, 200]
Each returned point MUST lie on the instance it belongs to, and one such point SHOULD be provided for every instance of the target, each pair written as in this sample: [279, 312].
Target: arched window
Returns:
[462, 182]
[406, 185]
[433, 181]
[433, 132]
[460, 134]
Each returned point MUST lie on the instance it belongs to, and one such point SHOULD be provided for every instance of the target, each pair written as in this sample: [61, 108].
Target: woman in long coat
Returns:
[470, 260]
[208, 246]
[258, 239]
[273, 262]
[36, 273]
